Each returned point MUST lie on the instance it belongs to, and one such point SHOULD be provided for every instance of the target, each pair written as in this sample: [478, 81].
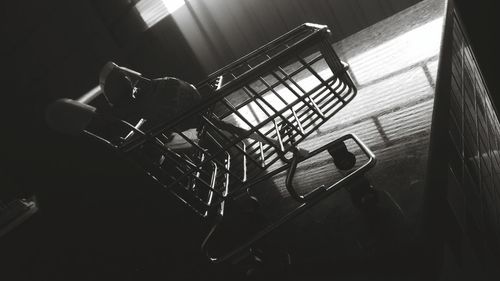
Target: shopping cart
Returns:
[254, 114]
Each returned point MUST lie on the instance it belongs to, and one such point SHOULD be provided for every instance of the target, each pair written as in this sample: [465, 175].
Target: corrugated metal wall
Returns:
[220, 31]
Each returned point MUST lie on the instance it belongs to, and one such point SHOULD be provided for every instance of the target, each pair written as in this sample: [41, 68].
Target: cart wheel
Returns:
[364, 196]
[369, 199]
[255, 203]
[342, 158]
[255, 268]
[248, 203]
[271, 264]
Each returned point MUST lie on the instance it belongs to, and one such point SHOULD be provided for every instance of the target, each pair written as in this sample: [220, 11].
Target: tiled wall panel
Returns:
[474, 156]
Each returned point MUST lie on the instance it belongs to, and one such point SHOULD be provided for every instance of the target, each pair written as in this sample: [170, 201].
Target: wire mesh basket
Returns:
[259, 108]
[252, 117]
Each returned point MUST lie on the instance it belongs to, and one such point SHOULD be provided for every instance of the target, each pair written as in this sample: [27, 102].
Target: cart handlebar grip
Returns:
[69, 116]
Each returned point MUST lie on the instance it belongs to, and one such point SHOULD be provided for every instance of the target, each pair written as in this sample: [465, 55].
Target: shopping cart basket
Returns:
[253, 115]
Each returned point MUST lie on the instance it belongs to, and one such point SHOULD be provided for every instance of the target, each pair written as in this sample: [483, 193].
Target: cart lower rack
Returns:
[243, 124]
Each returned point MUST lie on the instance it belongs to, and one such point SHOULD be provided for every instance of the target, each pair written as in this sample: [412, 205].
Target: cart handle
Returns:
[297, 158]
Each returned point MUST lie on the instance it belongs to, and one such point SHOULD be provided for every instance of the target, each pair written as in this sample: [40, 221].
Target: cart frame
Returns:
[207, 177]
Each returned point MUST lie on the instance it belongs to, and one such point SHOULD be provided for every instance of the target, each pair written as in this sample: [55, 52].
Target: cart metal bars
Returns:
[254, 115]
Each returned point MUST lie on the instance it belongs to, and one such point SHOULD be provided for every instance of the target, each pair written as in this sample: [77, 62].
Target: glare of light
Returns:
[403, 51]
[255, 115]
[378, 62]
[152, 11]
[384, 62]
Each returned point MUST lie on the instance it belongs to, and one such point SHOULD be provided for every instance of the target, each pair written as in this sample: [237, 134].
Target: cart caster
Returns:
[342, 158]
[254, 203]
[249, 203]
[267, 265]
[364, 196]
[254, 268]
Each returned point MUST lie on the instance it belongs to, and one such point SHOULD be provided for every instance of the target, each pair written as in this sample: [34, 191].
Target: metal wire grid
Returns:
[283, 111]
[234, 148]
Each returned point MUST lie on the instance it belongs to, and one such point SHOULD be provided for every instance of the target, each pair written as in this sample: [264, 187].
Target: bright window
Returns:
[152, 11]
